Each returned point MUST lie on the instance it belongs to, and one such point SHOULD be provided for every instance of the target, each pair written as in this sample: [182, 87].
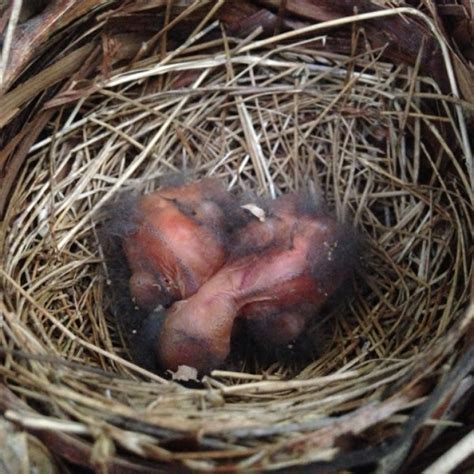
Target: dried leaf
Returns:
[402, 37]
[40, 458]
[23, 453]
[65, 67]
[13, 449]
[5, 15]
[241, 18]
[465, 78]
[32, 35]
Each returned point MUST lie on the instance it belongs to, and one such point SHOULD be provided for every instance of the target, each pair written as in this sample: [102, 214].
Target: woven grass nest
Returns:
[272, 113]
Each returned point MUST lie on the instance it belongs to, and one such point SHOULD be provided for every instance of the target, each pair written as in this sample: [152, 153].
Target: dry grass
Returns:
[384, 146]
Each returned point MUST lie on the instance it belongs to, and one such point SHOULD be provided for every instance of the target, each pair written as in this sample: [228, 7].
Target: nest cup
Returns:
[385, 147]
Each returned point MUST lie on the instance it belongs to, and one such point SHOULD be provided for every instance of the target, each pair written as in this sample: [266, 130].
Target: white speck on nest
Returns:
[185, 373]
[258, 212]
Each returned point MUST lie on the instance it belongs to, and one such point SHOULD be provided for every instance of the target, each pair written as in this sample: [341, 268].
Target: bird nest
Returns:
[383, 144]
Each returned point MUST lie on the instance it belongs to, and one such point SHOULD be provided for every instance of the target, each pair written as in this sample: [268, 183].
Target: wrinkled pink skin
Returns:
[277, 328]
[272, 324]
[197, 331]
[177, 243]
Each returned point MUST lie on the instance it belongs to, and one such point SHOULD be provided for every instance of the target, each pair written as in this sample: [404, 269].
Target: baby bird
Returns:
[176, 240]
[283, 271]
[279, 323]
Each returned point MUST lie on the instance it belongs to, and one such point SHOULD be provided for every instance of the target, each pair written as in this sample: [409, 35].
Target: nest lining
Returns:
[270, 121]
